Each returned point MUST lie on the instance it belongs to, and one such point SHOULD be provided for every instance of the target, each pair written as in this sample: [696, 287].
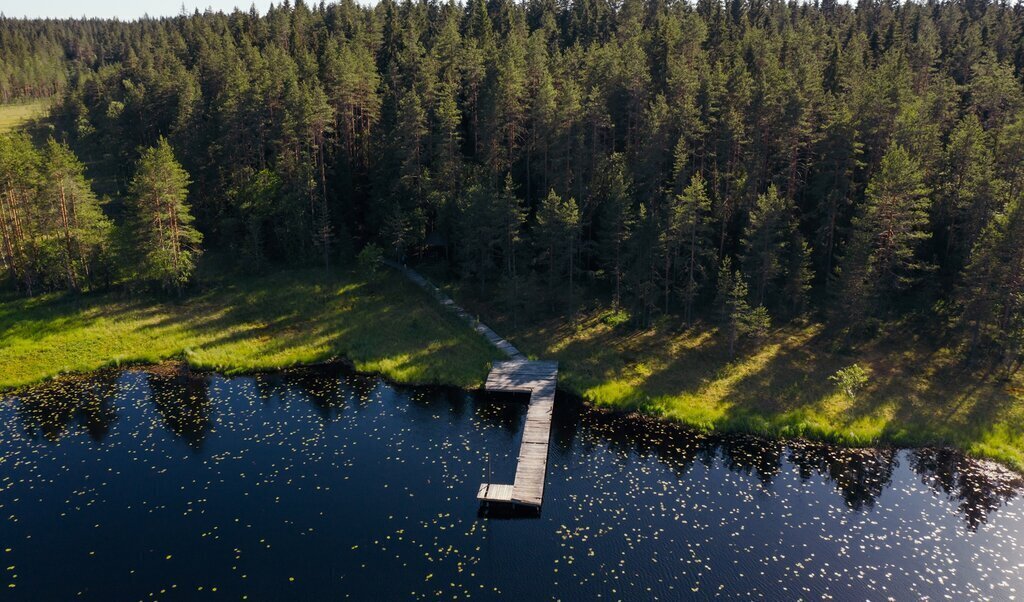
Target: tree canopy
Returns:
[863, 157]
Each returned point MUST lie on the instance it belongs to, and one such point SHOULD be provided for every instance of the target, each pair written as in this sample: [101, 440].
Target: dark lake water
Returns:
[318, 484]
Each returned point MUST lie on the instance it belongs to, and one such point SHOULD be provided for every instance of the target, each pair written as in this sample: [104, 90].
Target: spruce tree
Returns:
[738, 317]
[693, 212]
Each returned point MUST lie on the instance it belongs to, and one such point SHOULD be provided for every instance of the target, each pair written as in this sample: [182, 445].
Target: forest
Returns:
[744, 164]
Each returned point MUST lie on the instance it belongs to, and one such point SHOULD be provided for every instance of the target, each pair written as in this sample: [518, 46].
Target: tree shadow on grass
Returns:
[779, 376]
[37, 319]
[280, 321]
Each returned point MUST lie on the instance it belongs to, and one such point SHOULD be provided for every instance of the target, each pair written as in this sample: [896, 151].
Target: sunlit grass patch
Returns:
[383, 325]
[13, 116]
[917, 393]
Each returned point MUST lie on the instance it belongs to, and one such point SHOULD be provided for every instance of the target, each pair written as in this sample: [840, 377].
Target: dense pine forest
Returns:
[740, 163]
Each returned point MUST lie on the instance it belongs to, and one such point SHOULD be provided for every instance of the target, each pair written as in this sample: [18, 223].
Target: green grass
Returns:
[13, 116]
[383, 325]
[919, 394]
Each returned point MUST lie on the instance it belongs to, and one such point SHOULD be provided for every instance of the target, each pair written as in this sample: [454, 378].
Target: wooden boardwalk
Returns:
[517, 375]
[484, 331]
[538, 379]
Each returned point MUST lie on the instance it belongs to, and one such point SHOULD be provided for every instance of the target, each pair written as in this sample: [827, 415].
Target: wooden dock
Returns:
[518, 375]
[538, 379]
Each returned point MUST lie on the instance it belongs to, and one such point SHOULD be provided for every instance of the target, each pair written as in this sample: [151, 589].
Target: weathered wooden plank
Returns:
[539, 379]
[491, 492]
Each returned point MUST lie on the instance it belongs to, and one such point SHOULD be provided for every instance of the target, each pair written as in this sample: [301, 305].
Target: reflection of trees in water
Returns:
[753, 454]
[48, 410]
[979, 487]
[327, 393]
[861, 475]
[181, 400]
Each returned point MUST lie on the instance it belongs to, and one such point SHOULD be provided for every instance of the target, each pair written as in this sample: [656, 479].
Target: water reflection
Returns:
[861, 475]
[185, 403]
[181, 399]
[51, 410]
[980, 488]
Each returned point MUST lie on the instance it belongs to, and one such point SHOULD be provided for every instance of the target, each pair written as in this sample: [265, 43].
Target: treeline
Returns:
[55, 235]
[33, 63]
[743, 161]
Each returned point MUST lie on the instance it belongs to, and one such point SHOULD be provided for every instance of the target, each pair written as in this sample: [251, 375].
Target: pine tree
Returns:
[613, 193]
[19, 178]
[693, 214]
[73, 213]
[992, 296]
[483, 232]
[511, 216]
[883, 256]
[556, 238]
[969, 188]
[799, 276]
[161, 222]
[766, 243]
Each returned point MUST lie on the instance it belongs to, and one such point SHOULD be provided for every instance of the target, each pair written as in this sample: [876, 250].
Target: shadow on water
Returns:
[186, 401]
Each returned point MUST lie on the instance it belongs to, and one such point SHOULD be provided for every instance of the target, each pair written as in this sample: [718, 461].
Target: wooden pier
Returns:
[517, 375]
[538, 379]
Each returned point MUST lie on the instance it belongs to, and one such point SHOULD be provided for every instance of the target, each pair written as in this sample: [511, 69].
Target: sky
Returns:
[121, 9]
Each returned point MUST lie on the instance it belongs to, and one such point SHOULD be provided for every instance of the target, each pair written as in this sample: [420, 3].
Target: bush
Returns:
[370, 258]
[851, 379]
[615, 317]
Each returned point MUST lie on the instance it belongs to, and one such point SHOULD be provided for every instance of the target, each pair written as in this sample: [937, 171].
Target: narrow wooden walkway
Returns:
[517, 375]
[539, 380]
[504, 346]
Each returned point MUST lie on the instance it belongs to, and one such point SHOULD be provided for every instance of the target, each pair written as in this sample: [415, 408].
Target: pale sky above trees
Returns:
[121, 9]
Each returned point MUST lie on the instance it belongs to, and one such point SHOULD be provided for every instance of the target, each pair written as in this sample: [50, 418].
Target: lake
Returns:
[317, 483]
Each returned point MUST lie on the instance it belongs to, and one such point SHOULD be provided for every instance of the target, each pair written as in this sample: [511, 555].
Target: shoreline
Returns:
[177, 367]
[388, 326]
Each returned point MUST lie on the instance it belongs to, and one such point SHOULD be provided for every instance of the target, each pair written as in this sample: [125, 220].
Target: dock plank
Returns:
[539, 379]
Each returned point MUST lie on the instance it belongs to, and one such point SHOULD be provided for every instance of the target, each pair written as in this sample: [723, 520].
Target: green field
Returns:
[382, 324]
[13, 116]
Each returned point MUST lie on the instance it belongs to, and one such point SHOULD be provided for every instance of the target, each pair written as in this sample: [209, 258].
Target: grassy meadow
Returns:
[382, 324]
[15, 115]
